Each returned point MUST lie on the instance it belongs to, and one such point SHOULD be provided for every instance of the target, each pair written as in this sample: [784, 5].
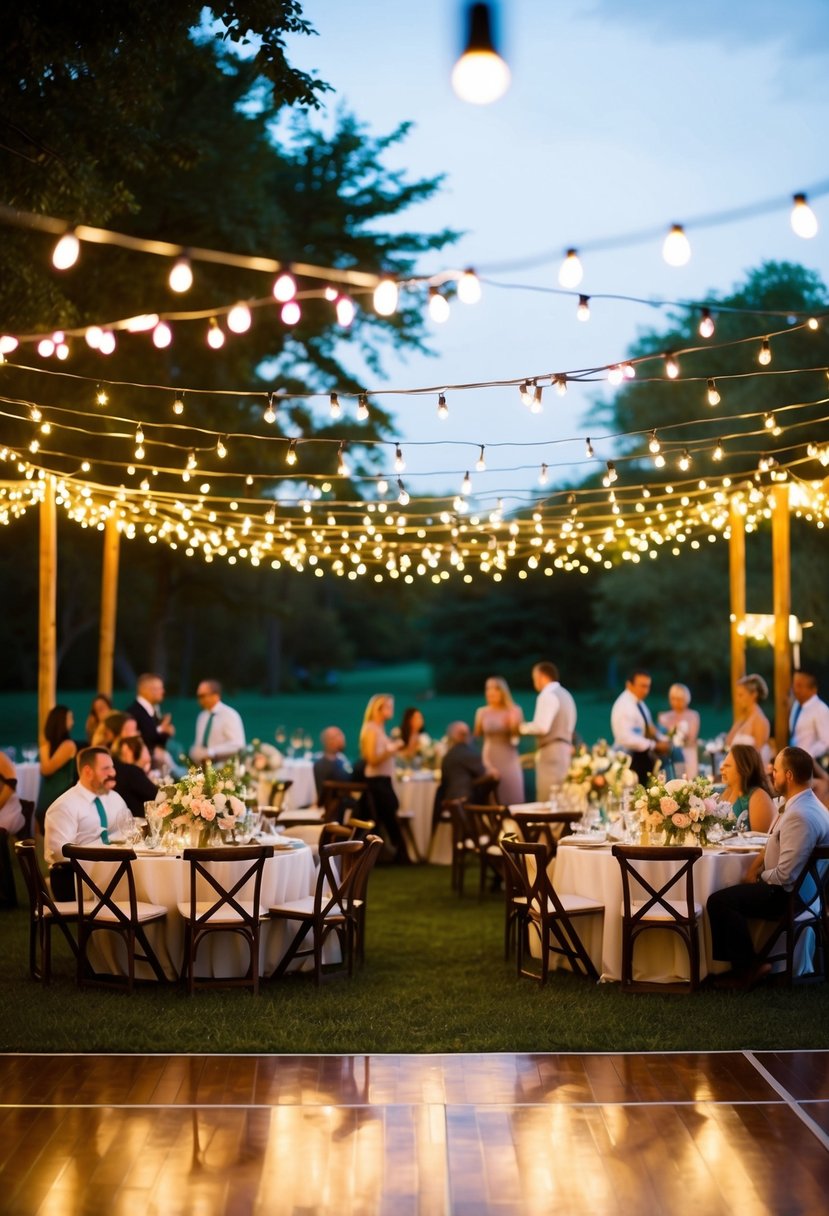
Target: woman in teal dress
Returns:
[747, 789]
[57, 758]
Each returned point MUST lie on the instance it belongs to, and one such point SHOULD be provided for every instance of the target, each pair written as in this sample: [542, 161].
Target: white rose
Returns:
[236, 805]
[677, 783]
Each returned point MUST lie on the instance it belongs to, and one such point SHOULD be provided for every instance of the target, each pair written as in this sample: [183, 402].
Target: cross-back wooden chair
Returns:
[545, 826]
[484, 827]
[807, 909]
[45, 913]
[649, 904]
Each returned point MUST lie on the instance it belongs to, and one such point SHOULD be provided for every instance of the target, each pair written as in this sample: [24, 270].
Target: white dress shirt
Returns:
[809, 729]
[73, 819]
[554, 719]
[227, 734]
[629, 722]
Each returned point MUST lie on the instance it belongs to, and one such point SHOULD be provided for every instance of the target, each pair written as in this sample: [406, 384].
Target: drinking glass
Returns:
[155, 818]
[631, 822]
[280, 736]
[297, 737]
[29, 755]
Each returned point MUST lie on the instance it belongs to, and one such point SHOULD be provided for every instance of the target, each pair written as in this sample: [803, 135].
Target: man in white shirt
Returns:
[553, 724]
[809, 717]
[219, 730]
[632, 726]
[801, 826]
[87, 812]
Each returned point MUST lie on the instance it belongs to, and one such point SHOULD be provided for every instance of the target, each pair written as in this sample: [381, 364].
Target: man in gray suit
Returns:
[553, 724]
[802, 825]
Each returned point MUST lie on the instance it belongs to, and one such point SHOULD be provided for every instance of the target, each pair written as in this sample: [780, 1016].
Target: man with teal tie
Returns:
[219, 730]
[89, 812]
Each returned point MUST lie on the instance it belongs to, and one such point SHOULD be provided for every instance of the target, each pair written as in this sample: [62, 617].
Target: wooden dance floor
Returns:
[448, 1135]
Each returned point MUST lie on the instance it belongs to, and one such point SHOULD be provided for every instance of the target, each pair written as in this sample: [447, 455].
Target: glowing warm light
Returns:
[804, 220]
[469, 287]
[178, 404]
[106, 344]
[7, 344]
[570, 272]
[101, 397]
[438, 306]
[536, 406]
[443, 408]
[284, 288]
[215, 335]
[290, 313]
[45, 348]
[615, 375]
[713, 393]
[706, 324]
[764, 357]
[399, 462]
[480, 76]
[345, 311]
[583, 310]
[66, 251]
[480, 463]
[403, 493]
[291, 456]
[671, 366]
[334, 406]
[385, 297]
[466, 484]
[238, 319]
[162, 335]
[269, 415]
[93, 337]
[62, 350]
[654, 445]
[141, 323]
[676, 249]
[685, 460]
[181, 276]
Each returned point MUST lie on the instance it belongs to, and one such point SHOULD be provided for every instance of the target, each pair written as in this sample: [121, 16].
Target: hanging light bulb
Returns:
[543, 477]
[813, 324]
[443, 408]
[269, 415]
[215, 335]
[804, 221]
[713, 393]
[45, 348]
[769, 422]
[178, 403]
[291, 454]
[342, 467]
[536, 407]
[654, 445]
[629, 371]
[35, 414]
[480, 463]
[659, 461]
[181, 276]
[101, 397]
[106, 345]
[588, 448]
[345, 311]
[719, 451]
[139, 436]
[438, 306]
[466, 484]
[362, 407]
[139, 453]
[62, 350]
[66, 251]
[671, 366]
[611, 475]
[385, 297]
[221, 450]
[284, 287]
[290, 313]
[469, 287]
[570, 272]
[525, 393]
[614, 375]
[676, 249]
[7, 344]
[238, 319]
[583, 310]
[706, 324]
[480, 76]
[560, 385]
[191, 459]
[403, 494]
[162, 335]
[399, 462]
[382, 486]
[334, 406]
[764, 357]
[93, 336]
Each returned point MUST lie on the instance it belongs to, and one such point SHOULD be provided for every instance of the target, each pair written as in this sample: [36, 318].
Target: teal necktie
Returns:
[795, 716]
[102, 815]
[207, 726]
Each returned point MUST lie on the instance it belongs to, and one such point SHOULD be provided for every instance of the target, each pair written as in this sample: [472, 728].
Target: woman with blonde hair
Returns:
[751, 725]
[498, 723]
[682, 727]
[378, 752]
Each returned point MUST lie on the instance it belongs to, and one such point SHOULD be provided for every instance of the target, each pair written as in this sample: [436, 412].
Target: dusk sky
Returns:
[622, 115]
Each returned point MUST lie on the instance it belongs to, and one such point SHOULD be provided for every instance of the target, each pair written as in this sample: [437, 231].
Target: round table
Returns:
[416, 792]
[303, 791]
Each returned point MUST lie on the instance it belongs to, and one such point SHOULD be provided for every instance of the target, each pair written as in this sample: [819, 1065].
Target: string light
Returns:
[106, 344]
[614, 375]
[66, 251]
[536, 405]
[382, 486]
[676, 249]
[813, 324]
[139, 436]
[291, 454]
[804, 221]
[583, 310]
[685, 460]
[480, 76]
[269, 415]
[525, 392]
[443, 408]
[345, 311]
[719, 451]
[215, 335]
[403, 494]
[769, 422]
[290, 313]
[466, 484]
[588, 449]
[239, 319]
[629, 371]
[342, 467]
[570, 272]
[162, 335]
[8, 344]
[706, 324]
[385, 297]
[335, 409]
[764, 357]
[284, 287]
[191, 459]
[45, 348]
[543, 476]
[654, 445]
[178, 404]
[101, 397]
[561, 385]
[362, 407]
[35, 414]
[611, 475]
[399, 462]
[480, 463]
[671, 366]
[713, 393]
[469, 287]
[181, 276]
[438, 306]
[221, 450]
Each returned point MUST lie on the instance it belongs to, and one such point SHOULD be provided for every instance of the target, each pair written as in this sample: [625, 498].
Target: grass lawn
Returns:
[434, 981]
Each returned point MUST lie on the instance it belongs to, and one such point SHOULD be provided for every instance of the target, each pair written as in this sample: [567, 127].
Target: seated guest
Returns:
[411, 732]
[84, 814]
[11, 812]
[333, 764]
[802, 825]
[114, 725]
[57, 757]
[219, 730]
[462, 767]
[131, 757]
[98, 710]
[747, 789]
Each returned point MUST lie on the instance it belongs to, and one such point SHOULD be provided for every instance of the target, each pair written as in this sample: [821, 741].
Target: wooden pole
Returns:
[47, 604]
[109, 605]
[737, 586]
[781, 566]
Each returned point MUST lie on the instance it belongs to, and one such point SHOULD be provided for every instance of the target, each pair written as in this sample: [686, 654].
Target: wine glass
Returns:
[280, 736]
[297, 737]
[155, 818]
[631, 822]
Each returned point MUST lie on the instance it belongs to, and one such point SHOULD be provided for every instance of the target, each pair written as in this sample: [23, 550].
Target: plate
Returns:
[584, 842]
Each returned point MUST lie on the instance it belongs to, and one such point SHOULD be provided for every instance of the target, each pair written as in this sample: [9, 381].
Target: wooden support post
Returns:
[109, 605]
[47, 605]
[737, 586]
[781, 566]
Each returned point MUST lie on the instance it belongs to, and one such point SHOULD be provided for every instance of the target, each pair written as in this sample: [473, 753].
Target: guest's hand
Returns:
[755, 869]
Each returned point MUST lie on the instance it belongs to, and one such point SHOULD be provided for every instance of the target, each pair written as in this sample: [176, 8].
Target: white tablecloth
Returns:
[166, 880]
[28, 781]
[303, 792]
[660, 957]
[417, 796]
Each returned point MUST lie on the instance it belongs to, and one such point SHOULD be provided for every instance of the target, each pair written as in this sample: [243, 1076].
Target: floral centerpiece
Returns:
[203, 802]
[599, 771]
[682, 809]
[259, 757]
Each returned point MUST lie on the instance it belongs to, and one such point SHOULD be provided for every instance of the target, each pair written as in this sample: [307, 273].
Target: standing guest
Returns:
[378, 751]
[747, 789]
[801, 826]
[131, 758]
[11, 812]
[462, 766]
[98, 710]
[219, 730]
[681, 724]
[57, 757]
[84, 814]
[809, 717]
[751, 725]
[411, 732]
[554, 722]
[632, 726]
[333, 764]
[498, 722]
[156, 729]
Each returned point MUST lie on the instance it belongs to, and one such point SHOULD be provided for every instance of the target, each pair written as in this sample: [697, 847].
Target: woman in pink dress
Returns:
[498, 722]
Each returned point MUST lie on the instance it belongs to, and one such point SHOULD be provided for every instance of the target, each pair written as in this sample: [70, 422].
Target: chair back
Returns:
[336, 797]
[485, 790]
[635, 874]
[227, 898]
[36, 888]
[545, 826]
[95, 898]
[526, 870]
[278, 791]
[364, 864]
[27, 808]
[807, 907]
[485, 822]
[8, 894]
[334, 894]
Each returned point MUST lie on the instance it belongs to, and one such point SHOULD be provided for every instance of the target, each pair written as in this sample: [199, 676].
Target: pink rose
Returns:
[668, 806]
[681, 821]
